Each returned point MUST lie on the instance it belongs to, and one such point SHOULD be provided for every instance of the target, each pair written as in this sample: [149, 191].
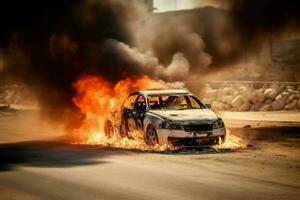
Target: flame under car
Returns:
[175, 117]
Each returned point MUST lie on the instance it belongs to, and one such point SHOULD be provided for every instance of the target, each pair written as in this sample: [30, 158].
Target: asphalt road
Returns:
[51, 169]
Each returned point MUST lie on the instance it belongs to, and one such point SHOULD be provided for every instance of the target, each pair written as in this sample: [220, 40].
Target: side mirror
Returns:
[208, 106]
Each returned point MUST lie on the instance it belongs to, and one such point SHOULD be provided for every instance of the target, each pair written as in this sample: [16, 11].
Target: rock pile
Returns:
[245, 96]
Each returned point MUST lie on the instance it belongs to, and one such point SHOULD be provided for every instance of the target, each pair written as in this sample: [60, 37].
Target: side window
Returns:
[154, 102]
[194, 103]
[180, 101]
[128, 104]
[140, 104]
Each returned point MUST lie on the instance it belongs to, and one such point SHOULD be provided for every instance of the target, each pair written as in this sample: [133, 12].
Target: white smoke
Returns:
[179, 67]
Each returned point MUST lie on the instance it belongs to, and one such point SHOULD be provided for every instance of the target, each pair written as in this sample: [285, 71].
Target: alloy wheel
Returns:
[151, 137]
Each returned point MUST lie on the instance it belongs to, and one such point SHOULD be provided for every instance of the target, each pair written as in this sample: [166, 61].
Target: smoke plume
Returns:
[48, 45]
[251, 23]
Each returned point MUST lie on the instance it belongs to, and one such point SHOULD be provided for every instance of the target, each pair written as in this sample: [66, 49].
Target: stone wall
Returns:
[252, 96]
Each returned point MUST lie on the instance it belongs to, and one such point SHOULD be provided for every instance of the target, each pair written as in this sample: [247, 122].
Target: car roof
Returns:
[164, 92]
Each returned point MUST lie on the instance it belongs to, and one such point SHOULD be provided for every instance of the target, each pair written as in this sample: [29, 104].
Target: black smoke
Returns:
[258, 19]
[48, 45]
[257, 16]
[229, 30]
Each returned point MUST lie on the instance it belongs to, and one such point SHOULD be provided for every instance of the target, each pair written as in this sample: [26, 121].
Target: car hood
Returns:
[186, 116]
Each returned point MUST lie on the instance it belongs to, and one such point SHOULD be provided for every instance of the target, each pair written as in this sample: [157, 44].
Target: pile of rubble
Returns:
[245, 96]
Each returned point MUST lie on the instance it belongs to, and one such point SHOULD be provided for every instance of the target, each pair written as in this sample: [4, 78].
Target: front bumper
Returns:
[191, 139]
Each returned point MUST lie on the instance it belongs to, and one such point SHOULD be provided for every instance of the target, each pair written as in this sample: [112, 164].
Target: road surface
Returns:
[269, 168]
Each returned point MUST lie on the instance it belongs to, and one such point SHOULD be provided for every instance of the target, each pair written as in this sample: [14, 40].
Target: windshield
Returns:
[174, 102]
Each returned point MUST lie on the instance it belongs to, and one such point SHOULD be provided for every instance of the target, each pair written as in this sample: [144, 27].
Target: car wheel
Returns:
[151, 137]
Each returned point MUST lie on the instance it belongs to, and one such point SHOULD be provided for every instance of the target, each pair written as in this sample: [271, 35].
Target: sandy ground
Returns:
[30, 168]
[16, 126]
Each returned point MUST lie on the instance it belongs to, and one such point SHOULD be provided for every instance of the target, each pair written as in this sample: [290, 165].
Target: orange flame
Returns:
[99, 101]
[231, 142]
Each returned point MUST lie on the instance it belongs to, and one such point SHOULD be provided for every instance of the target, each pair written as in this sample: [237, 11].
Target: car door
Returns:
[130, 123]
[139, 111]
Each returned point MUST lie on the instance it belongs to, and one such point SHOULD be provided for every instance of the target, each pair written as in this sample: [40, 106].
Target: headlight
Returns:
[218, 124]
[172, 126]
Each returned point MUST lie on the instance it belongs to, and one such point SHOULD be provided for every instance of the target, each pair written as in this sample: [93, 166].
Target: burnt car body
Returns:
[174, 117]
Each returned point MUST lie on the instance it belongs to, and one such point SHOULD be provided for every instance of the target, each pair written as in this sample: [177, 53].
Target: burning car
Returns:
[175, 117]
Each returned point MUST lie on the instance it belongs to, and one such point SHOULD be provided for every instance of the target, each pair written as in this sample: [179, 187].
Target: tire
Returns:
[223, 139]
[151, 138]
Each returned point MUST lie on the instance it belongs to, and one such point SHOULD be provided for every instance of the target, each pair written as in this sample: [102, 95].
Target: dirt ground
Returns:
[37, 164]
